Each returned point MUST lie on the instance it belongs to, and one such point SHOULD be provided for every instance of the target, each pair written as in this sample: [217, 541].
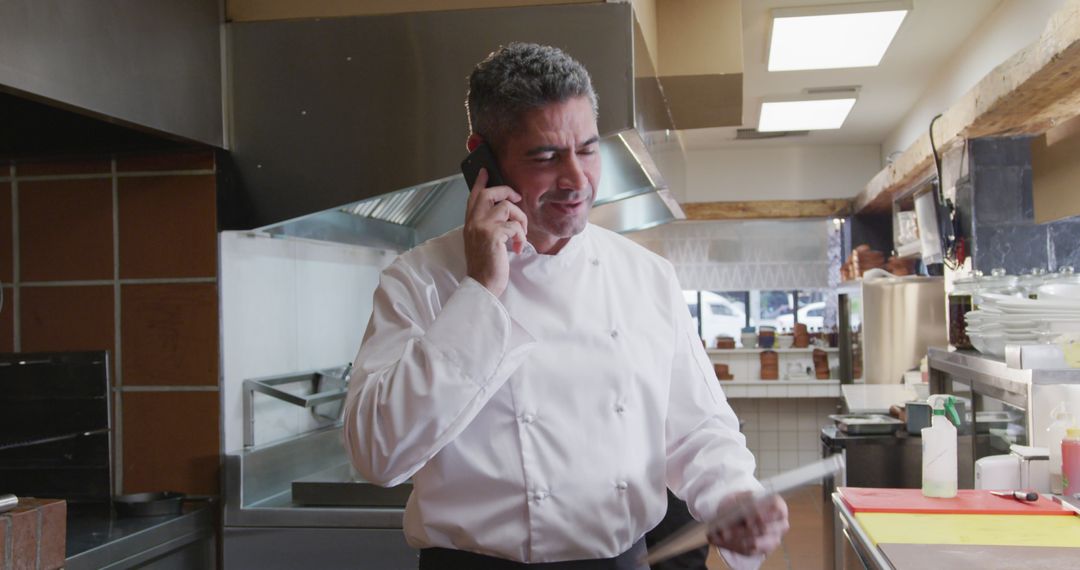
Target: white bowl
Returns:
[1059, 292]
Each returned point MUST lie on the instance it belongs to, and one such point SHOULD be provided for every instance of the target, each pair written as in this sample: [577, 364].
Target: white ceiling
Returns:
[928, 38]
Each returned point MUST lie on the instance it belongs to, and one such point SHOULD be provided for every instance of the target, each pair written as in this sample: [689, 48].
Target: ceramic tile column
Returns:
[119, 253]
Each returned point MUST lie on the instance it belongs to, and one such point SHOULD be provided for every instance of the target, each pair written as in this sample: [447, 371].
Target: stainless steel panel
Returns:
[187, 541]
[623, 174]
[901, 318]
[258, 485]
[337, 226]
[322, 548]
[639, 212]
[327, 112]
[863, 547]
[342, 486]
[269, 470]
[154, 64]
[984, 375]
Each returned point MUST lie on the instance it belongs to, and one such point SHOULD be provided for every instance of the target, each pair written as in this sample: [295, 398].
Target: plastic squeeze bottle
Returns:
[1070, 461]
[1062, 419]
[939, 448]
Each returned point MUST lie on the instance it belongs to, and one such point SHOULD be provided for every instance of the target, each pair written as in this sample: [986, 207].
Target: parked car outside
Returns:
[722, 316]
[812, 315]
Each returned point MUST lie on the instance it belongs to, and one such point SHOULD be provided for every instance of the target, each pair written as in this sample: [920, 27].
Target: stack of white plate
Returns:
[1002, 320]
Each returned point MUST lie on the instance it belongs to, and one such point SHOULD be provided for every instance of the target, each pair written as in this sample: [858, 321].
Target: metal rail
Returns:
[327, 386]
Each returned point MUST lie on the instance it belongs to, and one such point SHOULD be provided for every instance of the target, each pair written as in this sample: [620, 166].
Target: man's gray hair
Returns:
[517, 78]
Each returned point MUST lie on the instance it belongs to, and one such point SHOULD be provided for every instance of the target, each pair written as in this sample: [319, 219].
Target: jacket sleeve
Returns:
[707, 458]
[424, 371]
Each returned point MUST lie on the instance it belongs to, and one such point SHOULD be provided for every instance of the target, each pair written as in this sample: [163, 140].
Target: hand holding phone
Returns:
[492, 220]
[481, 157]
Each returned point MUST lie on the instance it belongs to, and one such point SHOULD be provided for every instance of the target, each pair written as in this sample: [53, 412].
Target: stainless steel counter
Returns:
[993, 386]
[261, 512]
[855, 548]
[98, 540]
[258, 486]
[992, 376]
[851, 542]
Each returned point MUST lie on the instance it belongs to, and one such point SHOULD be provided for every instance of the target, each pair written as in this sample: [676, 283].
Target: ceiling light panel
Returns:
[812, 115]
[835, 36]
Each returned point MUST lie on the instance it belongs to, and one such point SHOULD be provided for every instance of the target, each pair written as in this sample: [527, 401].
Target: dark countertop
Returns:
[96, 538]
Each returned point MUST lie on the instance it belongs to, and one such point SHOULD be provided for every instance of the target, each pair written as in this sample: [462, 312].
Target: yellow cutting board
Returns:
[1005, 530]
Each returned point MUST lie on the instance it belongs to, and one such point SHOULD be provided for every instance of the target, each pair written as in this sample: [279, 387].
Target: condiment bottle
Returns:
[961, 301]
[939, 449]
[1070, 461]
[1061, 420]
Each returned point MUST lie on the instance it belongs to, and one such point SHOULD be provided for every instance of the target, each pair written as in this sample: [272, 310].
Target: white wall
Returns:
[1009, 28]
[286, 306]
[766, 172]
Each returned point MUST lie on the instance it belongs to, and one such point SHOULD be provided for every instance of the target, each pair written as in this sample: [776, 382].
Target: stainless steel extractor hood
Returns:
[352, 129]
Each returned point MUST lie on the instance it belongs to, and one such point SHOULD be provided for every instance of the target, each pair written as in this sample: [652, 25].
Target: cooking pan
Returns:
[149, 504]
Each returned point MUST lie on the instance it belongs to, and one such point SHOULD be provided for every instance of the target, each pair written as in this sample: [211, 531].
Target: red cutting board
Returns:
[966, 501]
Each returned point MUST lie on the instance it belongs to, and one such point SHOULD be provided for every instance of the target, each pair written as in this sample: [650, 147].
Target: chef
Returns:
[538, 377]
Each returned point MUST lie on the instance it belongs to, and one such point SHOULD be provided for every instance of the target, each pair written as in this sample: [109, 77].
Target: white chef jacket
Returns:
[542, 425]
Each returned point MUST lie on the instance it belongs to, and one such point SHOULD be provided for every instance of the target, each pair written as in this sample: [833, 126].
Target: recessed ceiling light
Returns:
[804, 115]
[835, 36]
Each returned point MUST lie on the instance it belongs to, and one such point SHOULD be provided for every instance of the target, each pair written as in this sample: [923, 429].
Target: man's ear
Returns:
[473, 141]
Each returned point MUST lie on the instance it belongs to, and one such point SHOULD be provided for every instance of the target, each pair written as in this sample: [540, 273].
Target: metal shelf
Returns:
[315, 390]
[992, 376]
[722, 351]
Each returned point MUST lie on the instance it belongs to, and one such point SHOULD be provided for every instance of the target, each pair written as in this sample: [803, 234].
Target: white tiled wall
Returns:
[286, 306]
[784, 433]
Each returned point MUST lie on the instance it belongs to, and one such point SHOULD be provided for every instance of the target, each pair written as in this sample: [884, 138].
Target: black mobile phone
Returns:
[481, 157]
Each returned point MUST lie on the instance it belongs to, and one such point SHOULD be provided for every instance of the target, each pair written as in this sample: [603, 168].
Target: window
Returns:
[774, 308]
[812, 309]
[726, 313]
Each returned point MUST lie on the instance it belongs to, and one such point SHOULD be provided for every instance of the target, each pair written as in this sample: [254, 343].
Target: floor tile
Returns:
[803, 547]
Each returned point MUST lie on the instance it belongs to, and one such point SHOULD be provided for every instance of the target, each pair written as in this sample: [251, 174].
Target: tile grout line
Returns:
[114, 174]
[9, 546]
[37, 543]
[166, 389]
[119, 434]
[16, 305]
[149, 281]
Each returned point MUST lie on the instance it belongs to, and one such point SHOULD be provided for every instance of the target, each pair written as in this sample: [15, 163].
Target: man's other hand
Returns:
[758, 533]
[492, 220]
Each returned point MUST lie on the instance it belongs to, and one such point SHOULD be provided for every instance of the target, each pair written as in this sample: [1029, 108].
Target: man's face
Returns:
[553, 161]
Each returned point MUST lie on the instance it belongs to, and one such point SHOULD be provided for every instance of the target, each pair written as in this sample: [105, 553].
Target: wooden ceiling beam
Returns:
[1035, 89]
[767, 209]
